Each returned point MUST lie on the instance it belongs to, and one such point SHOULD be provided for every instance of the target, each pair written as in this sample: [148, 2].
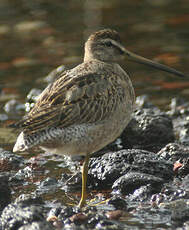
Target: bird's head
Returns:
[105, 45]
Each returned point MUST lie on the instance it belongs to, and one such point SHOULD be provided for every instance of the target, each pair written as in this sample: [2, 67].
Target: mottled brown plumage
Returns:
[88, 106]
[76, 100]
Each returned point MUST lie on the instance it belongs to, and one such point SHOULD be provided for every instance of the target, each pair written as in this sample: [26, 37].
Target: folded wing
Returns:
[72, 100]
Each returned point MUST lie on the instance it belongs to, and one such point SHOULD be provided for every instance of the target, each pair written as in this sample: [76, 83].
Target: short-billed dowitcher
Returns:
[88, 106]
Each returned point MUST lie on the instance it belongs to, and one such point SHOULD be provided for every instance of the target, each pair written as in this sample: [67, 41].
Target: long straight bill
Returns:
[136, 58]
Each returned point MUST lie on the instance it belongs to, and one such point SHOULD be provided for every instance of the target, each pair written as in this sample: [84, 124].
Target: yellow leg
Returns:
[84, 181]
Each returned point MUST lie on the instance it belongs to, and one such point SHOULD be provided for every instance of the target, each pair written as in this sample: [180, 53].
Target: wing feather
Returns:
[73, 100]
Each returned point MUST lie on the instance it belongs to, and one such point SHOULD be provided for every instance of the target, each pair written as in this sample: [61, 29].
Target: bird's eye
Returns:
[108, 44]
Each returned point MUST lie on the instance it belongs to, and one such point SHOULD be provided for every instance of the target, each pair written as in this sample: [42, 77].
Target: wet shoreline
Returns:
[145, 172]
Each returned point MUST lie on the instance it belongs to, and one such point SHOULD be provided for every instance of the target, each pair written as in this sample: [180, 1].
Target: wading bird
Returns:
[86, 107]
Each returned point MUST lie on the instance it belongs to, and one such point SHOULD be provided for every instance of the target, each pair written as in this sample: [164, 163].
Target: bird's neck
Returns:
[88, 55]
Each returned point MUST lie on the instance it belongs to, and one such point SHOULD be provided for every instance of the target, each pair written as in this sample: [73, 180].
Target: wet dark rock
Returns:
[48, 185]
[54, 212]
[33, 95]
[118, 202]
[61, 214]
[72, 183]
[181, 127]
[66, 212]
[143, 102]
[149, 129]
[129, 182]
[178, 107]
[183, 170]
[179, 209]
[31, 98]
[108, 168]
[22, 174]
[114, 215]
[68, 217]
[109, 225]
[5, 192]
[77, 158]
[5, 165]
[14, 107]
[88, 218]
[29, 199]
[72, 226]
[180, 116]
[136, 175]
[54, 74]
[179, 155]
[185, 226]
[64, 178]
[171, 192]
[78, 218]
[185, 182]
[20, 214]
[174, 152]
[94, 219]
[157, 199]
[40, 225]
[143, 193]
[13, 161]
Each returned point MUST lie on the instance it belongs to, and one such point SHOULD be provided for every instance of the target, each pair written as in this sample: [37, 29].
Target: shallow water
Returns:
[37, 36]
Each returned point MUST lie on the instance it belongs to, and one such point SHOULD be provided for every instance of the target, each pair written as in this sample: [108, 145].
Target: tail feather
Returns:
[20, 144]
[25, 142]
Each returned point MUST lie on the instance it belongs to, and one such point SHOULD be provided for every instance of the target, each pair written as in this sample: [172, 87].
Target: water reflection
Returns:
[92, 16]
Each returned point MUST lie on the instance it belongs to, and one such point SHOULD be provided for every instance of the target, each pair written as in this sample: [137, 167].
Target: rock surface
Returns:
[141, 176]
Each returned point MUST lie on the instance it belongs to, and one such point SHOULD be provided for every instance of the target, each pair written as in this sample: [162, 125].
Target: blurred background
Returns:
[37, 36]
